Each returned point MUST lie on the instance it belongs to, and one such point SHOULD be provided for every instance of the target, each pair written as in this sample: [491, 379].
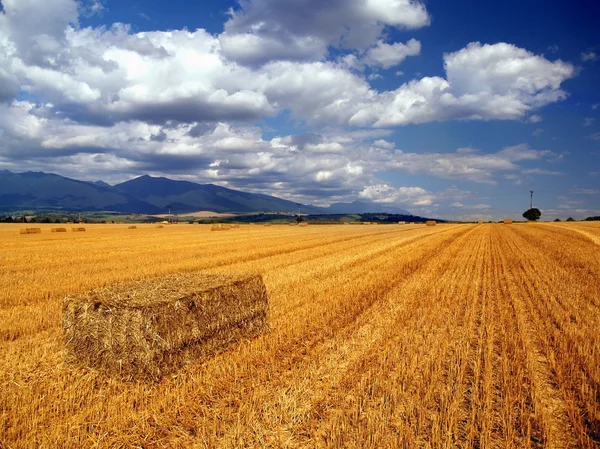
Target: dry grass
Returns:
[381, 336]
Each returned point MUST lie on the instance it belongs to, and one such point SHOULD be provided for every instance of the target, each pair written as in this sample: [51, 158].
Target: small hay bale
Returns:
[480, 222]
[59, 229]
[31, 231]
[132, 227]
[147, 329]
[160, 226]
[303, 224]
[430, 223]
[235, 226]
[401, 222]
[293, 224]
[78, 229]
[220, 227]
[508, 221]
[267, 224]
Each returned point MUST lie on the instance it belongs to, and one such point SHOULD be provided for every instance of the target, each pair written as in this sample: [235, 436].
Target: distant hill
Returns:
[184, 196]
[101, 184]
[38, 190]
[151, 195]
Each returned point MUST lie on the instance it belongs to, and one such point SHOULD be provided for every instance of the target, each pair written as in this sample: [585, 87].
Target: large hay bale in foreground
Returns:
[78, 229]
[59, 229]
[31, 231]
[507, 221]
[430, 223]
[146, 329]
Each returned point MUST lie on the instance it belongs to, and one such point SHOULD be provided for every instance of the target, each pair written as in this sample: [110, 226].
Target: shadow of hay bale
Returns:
[146, 329]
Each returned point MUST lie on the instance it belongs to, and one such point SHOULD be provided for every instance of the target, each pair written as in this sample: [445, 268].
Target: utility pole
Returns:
[169, 214]
[531, 202]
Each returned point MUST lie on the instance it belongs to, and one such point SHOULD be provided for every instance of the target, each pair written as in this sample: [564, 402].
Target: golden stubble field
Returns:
[382, 336]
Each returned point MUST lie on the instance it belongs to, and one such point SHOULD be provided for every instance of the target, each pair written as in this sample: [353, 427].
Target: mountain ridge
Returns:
[150, 195]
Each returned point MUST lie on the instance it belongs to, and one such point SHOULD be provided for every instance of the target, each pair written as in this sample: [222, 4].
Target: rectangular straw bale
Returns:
[59, 229]
[220, 227]
[159, 226]
[132, 227]
[146, 329]
[267, 224]
[235, 226]
[303, 224]
[507, 221]
[401, 222]
[480, 222]
[78, 229]
[31, 231]
[430, 222]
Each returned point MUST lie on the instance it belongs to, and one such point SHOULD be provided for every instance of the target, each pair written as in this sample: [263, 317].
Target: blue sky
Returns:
[448, 109]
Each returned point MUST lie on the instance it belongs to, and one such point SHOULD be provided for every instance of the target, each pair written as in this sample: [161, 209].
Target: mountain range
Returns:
[150, 195]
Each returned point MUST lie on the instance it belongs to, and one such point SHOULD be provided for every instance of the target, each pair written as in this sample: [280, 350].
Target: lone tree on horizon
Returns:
[532, 214]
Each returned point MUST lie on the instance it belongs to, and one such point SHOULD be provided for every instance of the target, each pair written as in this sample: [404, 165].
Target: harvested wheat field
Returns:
[380, 337]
